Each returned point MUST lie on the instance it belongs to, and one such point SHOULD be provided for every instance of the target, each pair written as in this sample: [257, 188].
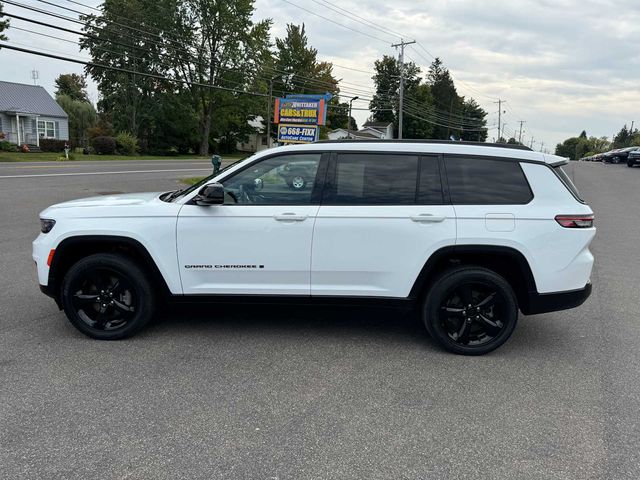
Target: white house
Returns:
[370, 130]
[28, 113]
[256, 141]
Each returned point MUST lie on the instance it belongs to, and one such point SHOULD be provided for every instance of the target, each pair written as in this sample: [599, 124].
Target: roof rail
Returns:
[430, 142]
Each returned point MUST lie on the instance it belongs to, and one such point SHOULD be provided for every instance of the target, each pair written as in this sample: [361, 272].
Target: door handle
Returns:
[427, 218]
[290, 217]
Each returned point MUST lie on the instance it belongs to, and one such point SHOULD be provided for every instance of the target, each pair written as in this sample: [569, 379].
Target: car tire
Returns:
[615, 160]
[298, 182]
[470, 310]
[107, 297]
[630, 164]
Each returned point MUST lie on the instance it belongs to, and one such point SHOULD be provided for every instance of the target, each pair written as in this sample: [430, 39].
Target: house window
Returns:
[46, 129]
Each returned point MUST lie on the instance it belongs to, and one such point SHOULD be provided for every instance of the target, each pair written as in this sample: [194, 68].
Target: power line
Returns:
[333, 21]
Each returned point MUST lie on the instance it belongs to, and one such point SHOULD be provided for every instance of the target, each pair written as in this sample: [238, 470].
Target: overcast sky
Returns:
[561, 65]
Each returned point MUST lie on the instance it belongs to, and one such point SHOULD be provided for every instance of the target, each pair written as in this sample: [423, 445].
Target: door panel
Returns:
[378, 224]
[259, 241]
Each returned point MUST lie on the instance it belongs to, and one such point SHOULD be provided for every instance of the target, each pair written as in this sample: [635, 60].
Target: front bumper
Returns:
[553, 302]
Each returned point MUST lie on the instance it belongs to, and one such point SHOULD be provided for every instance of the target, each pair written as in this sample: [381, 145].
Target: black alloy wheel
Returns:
[107, 297]
[471, 311]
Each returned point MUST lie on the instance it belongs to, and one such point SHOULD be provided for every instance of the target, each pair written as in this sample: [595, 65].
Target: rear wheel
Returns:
[470, 310]
[107, 297]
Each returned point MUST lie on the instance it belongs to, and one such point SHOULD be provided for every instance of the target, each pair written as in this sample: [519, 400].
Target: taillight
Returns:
[575, 221]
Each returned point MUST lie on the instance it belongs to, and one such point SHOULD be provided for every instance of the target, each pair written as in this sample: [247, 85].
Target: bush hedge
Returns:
[104, 145]
[52, 145]
[127, 144]
[7, 147]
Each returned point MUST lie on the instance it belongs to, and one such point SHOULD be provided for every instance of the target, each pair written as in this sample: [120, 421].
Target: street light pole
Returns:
[349, 119]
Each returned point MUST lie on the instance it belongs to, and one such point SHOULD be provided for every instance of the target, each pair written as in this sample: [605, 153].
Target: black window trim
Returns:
[488, 157]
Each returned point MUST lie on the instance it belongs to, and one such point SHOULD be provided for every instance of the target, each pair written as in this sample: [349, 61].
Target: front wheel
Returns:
[630, 163]
[470, 310]
[107, 297]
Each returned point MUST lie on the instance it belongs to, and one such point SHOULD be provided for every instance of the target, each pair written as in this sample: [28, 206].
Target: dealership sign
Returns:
[300, 111]
[288, 133]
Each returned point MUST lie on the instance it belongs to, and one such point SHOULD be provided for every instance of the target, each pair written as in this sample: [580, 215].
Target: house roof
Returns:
[377, 124]
[29, 99]
[354, 133]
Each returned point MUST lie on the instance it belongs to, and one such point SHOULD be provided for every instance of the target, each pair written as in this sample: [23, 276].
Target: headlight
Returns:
[46, 225]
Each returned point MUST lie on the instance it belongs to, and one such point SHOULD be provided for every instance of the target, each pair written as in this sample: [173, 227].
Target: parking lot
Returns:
[284, 393]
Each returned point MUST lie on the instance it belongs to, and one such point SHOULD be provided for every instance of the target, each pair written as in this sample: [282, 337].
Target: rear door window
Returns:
[567, 182]
[482, 181]
[373, 179]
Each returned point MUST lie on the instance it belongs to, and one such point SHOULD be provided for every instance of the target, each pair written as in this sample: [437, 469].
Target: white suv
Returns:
[469, 233]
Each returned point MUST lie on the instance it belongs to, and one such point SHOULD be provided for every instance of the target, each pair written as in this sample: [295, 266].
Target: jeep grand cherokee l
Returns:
[468, 233]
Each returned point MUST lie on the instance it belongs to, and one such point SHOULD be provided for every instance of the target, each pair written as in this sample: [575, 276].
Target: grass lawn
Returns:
[191, 180]
[53, 157]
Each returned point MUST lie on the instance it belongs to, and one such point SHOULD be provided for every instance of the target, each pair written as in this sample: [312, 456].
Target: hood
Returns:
[125, 199]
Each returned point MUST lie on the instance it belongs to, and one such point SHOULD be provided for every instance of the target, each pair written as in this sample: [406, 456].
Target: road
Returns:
[282, 393]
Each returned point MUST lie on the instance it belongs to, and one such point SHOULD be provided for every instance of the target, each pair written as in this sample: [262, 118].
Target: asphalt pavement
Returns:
[284, 393]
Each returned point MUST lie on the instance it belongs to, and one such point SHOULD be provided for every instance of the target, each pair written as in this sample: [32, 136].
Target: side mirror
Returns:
[212, 194]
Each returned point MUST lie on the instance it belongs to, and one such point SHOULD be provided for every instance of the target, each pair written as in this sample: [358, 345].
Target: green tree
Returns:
[625, 138]
[582, 146]
[473, 122]
[297, 69]
[227, 50]
[73, 86]
[82, 117]
[418, 101]
[446, 101]
[128, 100]
[4, 24]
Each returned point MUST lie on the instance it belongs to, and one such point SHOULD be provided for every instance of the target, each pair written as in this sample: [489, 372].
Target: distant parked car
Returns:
[633, 158]
[298, 173]
[620, 155]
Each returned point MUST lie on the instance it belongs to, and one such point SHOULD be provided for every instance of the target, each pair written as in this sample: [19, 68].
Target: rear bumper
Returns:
[552, 302]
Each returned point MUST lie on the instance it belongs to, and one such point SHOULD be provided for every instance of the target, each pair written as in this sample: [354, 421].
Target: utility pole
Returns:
[532, 142]
[632, 122]
[500, 102]
[401, 106]
[269, 112]
[349, 117]
[522, 122]
[542, 146]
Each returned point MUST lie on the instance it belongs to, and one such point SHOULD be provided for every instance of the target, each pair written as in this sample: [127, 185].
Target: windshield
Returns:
[172, 196]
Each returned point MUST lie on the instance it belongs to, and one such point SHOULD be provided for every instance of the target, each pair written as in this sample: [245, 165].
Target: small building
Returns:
[370, 130]
[257, 140]
[28, 113]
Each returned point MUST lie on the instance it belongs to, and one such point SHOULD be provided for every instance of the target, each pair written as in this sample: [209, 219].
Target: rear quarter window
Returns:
[562, 175]
[483, 181]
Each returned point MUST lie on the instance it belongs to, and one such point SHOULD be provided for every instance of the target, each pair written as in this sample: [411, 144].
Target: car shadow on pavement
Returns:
[323, 321]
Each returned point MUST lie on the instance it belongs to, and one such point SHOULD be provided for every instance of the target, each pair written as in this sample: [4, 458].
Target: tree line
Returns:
[583, 145]
[188, 76]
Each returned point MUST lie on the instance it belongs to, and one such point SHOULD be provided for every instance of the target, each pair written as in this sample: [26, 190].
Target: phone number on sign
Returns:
[299, 131]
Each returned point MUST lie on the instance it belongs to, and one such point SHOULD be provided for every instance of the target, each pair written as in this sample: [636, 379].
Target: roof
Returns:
[28, 99]
[503, 151]
[354, 133]
[377, 124]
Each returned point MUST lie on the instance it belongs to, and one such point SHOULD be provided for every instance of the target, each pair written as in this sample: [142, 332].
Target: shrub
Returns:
[51, 145]
[7, 147]
[104, 145]
[127, 144]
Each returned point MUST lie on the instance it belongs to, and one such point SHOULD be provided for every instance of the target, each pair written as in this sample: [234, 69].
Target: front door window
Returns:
[282, 180]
